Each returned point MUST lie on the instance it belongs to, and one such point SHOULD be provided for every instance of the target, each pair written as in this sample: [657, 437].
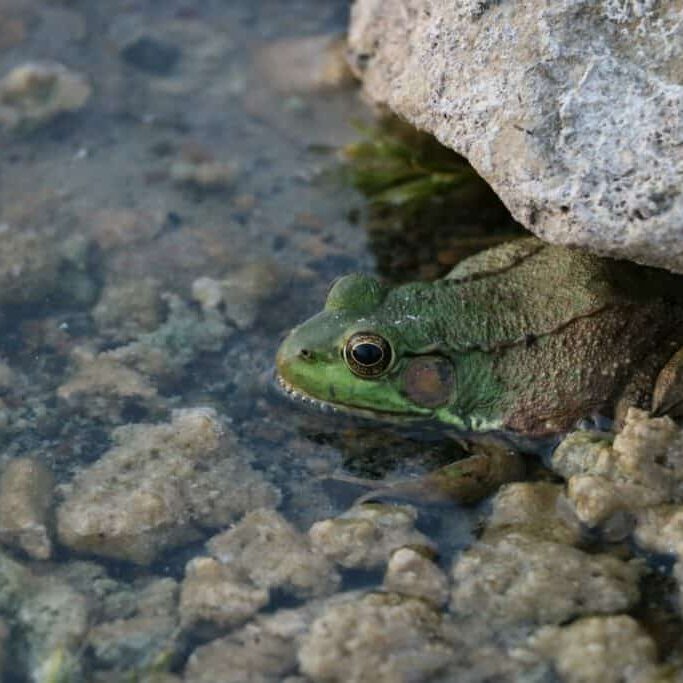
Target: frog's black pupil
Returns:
[367, 354]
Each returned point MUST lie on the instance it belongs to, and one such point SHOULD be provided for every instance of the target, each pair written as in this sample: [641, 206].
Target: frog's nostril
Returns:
[305, 354]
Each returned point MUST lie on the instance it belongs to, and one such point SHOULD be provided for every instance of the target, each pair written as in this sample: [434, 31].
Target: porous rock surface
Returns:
[571, 110]
[159, 487]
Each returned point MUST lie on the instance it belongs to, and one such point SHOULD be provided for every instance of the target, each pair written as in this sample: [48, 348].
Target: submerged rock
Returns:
[518, 578]
[364, 537]
[159, 487]
[534, 508]
[241, 295]
[35, 92]
[305, 65]
[410, 572]
[642, 467]
[379, 637]
[570, 110]
[29, 264]
[271, 553]
[606, 649]
[53, 619]
[214, 594]
[26, 493]
[264, 651]
[124, 311]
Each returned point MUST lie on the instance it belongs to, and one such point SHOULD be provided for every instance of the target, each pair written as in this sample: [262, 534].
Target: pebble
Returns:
[26, 495]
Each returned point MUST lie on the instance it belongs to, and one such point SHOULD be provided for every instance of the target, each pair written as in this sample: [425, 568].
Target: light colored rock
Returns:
[380, 637]
[606, 649]
[263, 651]
[213, 593]
[126, 310]
[409, 572]
[53, 619]
[136, 642]
[29, 264]
[519, 578]
[100, 385]
[241, 294]
[571, 110]
[364, 537]
[160, 487]
[641, 468]
[123, 227]
[163, 353]
[209, 175]
[271, 553]
[35, 92]
[534, 508]
[14, 581]
[26, 493]
[304, 65]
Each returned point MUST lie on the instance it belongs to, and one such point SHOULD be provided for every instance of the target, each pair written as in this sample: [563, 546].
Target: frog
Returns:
[516, 344]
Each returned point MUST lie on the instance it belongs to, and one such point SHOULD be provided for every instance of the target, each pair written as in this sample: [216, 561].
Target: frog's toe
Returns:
[667, 397]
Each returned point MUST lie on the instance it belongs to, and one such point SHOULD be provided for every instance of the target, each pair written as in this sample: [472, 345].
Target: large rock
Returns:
[571, 110]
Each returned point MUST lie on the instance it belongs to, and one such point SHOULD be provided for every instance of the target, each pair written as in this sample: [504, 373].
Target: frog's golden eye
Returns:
[367, 355]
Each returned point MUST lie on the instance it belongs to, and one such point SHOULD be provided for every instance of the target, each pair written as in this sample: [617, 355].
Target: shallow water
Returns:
[200, 93]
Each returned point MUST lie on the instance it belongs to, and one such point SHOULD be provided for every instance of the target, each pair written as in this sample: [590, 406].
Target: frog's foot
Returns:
[667, 398]
[464, 482]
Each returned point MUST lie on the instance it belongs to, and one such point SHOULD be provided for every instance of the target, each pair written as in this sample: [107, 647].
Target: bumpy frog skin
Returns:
[525, 338]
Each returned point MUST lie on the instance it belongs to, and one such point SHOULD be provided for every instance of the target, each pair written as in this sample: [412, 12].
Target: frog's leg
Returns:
[667, 398]
[465, 481]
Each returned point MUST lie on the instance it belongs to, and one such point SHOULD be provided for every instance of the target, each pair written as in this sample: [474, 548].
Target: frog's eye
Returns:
[367, 355]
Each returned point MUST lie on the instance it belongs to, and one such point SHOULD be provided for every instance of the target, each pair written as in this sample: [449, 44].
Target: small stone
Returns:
[364, 537]
[126, 310]
[534, 508]
[26, 493]
[8, 377]
[240, 296]
[606, 649]
[152, 56]
[115, 228]
[101, 386]
[518, 578]
[209, 175]
[269, 551]
[132, 643]
[29, 264]
[409, 572]
[263, 651]
[161, 486]
[641, 468]
[53, 619]
[34, 93]
[380, 637]
[213, 593]
[303, 65]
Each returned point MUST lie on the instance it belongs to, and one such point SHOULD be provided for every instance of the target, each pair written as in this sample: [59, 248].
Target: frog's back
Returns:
[527, 289]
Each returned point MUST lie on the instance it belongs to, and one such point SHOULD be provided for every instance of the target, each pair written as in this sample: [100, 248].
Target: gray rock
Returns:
[159, 488]
[26, 490]
[571, 110]
[269, 551]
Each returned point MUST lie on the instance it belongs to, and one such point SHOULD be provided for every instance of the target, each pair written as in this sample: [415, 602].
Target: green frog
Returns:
[525, 340]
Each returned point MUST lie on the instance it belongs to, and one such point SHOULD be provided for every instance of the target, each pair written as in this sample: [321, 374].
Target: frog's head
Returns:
[358, 358]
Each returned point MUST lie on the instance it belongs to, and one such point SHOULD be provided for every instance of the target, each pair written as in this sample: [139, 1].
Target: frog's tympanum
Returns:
[525, 339]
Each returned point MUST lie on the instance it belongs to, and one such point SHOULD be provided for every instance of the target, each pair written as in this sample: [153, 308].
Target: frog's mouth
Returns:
[291, 392]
